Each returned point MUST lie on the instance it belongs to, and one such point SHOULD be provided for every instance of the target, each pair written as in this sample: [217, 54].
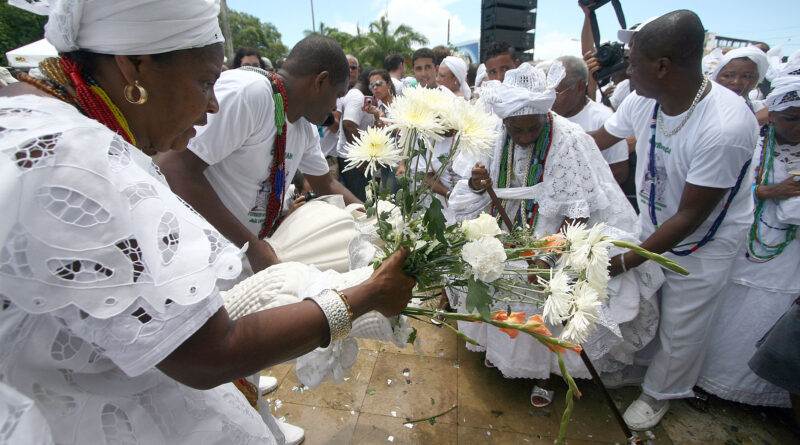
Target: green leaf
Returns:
[371, 392]
[478, 297]
[434, 220]
[413, 337]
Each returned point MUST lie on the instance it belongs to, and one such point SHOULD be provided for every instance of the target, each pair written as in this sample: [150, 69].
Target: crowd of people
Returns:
[112, 264]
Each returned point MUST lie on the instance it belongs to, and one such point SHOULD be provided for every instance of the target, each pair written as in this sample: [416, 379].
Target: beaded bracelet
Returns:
[336, 311]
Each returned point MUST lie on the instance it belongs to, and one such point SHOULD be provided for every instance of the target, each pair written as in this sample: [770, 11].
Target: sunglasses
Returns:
[377, 83]
[353, 67]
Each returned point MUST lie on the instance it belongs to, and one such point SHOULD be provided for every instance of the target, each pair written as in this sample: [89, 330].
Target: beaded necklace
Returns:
[652, 198]
[765, 169]
[277, 172]
[67, 81]
[536, 164]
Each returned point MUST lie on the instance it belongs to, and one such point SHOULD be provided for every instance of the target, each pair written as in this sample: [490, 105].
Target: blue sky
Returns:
[558, 21]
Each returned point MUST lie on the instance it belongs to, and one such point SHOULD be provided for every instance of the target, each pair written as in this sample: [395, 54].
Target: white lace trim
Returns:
[91, 222]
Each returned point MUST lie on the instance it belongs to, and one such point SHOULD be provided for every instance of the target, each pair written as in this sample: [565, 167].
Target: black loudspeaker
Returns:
[508, 21]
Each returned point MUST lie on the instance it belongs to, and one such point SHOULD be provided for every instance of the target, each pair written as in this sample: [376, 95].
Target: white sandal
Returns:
[542, 394]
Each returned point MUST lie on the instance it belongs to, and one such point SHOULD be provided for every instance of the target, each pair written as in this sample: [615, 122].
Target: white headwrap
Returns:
[749, 52]
[525, 90]
[775, 59]
[458, 67]
[128, 27]
[480, 75]
[711, 61]
[786, 86]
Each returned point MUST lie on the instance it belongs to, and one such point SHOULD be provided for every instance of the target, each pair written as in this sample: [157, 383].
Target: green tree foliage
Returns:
[17, 28]
[248, 30]
[371, 47]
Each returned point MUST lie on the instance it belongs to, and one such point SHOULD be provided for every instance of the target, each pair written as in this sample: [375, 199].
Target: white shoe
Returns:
[267, 384]
[640, 416]
[294, 435]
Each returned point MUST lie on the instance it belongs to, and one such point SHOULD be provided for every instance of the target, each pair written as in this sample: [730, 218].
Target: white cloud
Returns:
[556, 44]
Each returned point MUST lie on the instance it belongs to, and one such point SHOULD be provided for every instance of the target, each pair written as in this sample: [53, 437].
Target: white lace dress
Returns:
[577, 183]
[103, 273]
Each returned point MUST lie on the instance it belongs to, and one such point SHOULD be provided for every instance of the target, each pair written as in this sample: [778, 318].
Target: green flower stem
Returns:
[660, 259]
[461, 334]
[571, 392]
[427, 419]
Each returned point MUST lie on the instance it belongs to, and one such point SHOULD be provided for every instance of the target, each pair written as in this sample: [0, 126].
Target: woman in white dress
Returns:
[740, 70]
[548, 173]
[110, 318]
[764, 279]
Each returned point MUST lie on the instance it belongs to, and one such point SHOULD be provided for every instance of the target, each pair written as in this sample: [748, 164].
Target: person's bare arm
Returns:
[762, 116]
[620, 170]
[326, 185]
[223, 350]
[587, 46]
[350, 130]
[184, 172]
[603, 138]
[696, 205]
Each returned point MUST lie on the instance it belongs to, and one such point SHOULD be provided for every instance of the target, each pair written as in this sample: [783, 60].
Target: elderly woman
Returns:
[111, 321]
[740, 70]
[549, 173]
[452, 74]
[764, 278]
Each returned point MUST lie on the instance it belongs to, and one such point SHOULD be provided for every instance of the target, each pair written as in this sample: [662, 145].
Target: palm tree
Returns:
[381, 40]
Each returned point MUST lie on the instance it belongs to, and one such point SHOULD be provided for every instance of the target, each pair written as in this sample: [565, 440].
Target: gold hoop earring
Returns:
[128, 92]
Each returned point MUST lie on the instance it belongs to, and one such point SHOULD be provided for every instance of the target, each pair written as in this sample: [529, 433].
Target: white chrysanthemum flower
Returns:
[597, 270]
[411, 117]
[575, 233]
[586, 312]
[559, 300]
[486, 256]
[373, 146]
[477, 130]
[579, 248]
[440, 101]
[483, 225]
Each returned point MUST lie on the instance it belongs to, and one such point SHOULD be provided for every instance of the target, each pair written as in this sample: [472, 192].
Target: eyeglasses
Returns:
[353, 67]
[558, 93]
[377, 83]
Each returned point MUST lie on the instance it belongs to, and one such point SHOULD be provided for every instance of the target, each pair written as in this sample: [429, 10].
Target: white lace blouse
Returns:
[103, 273]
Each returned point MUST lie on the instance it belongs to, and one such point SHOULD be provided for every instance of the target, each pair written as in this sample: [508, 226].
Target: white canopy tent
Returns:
[30, 55]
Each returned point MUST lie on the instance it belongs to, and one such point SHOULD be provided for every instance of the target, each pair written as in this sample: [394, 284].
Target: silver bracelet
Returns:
[622, 262]
[550, 259]
[336, 311]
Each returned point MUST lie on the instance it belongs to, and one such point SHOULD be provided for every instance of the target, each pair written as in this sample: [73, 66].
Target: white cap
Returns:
[625, 35]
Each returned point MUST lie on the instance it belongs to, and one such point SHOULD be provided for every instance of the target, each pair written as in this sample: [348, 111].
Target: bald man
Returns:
[226, 172]
[694, 141]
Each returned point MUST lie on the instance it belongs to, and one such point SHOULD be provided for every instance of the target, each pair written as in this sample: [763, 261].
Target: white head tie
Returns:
[128, 27]
[749, 52]
[458, 67]
[711, 61]
[524, 91]
[786, 86]
[480, 75]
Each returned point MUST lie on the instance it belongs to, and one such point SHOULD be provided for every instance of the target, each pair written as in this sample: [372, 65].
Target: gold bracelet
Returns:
[346, 303]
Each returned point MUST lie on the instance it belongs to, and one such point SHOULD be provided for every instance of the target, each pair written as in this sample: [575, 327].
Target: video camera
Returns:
[611, 55]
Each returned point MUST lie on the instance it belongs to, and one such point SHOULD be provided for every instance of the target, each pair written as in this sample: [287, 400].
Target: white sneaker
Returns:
[640, 416]
[267, 384]
[294, 434]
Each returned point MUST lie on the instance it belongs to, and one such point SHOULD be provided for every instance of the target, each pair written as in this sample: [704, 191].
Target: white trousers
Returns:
[687, 310]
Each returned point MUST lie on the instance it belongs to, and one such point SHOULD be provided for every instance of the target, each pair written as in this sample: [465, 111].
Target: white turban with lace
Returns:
[525, 90]
[458, 68]
[128, 27]
[786, 86]
[749, 52]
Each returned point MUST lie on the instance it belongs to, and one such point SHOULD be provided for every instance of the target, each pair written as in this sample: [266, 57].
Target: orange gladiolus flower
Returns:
[536, 325]
[554, 242]
[515, 317]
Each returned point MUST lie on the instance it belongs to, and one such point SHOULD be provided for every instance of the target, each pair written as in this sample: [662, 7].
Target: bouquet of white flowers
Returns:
[565, 273]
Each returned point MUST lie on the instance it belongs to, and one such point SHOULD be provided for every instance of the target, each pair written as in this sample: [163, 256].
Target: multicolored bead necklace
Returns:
[536, 164]
[764, 171]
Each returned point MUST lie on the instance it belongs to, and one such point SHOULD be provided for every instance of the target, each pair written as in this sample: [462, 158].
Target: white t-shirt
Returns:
[398, 86]
[237, 145]
[330, 139]
[592, 117]
[709, 151]
[351, 111]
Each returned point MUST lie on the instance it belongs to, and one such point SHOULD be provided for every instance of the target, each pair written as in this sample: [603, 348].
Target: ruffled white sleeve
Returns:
[93, 235]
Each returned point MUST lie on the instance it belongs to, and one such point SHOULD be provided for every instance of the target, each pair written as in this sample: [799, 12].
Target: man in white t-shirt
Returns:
[394, 63]
[573, 104]
[700, 137]
[226, 172]
[353, 119]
